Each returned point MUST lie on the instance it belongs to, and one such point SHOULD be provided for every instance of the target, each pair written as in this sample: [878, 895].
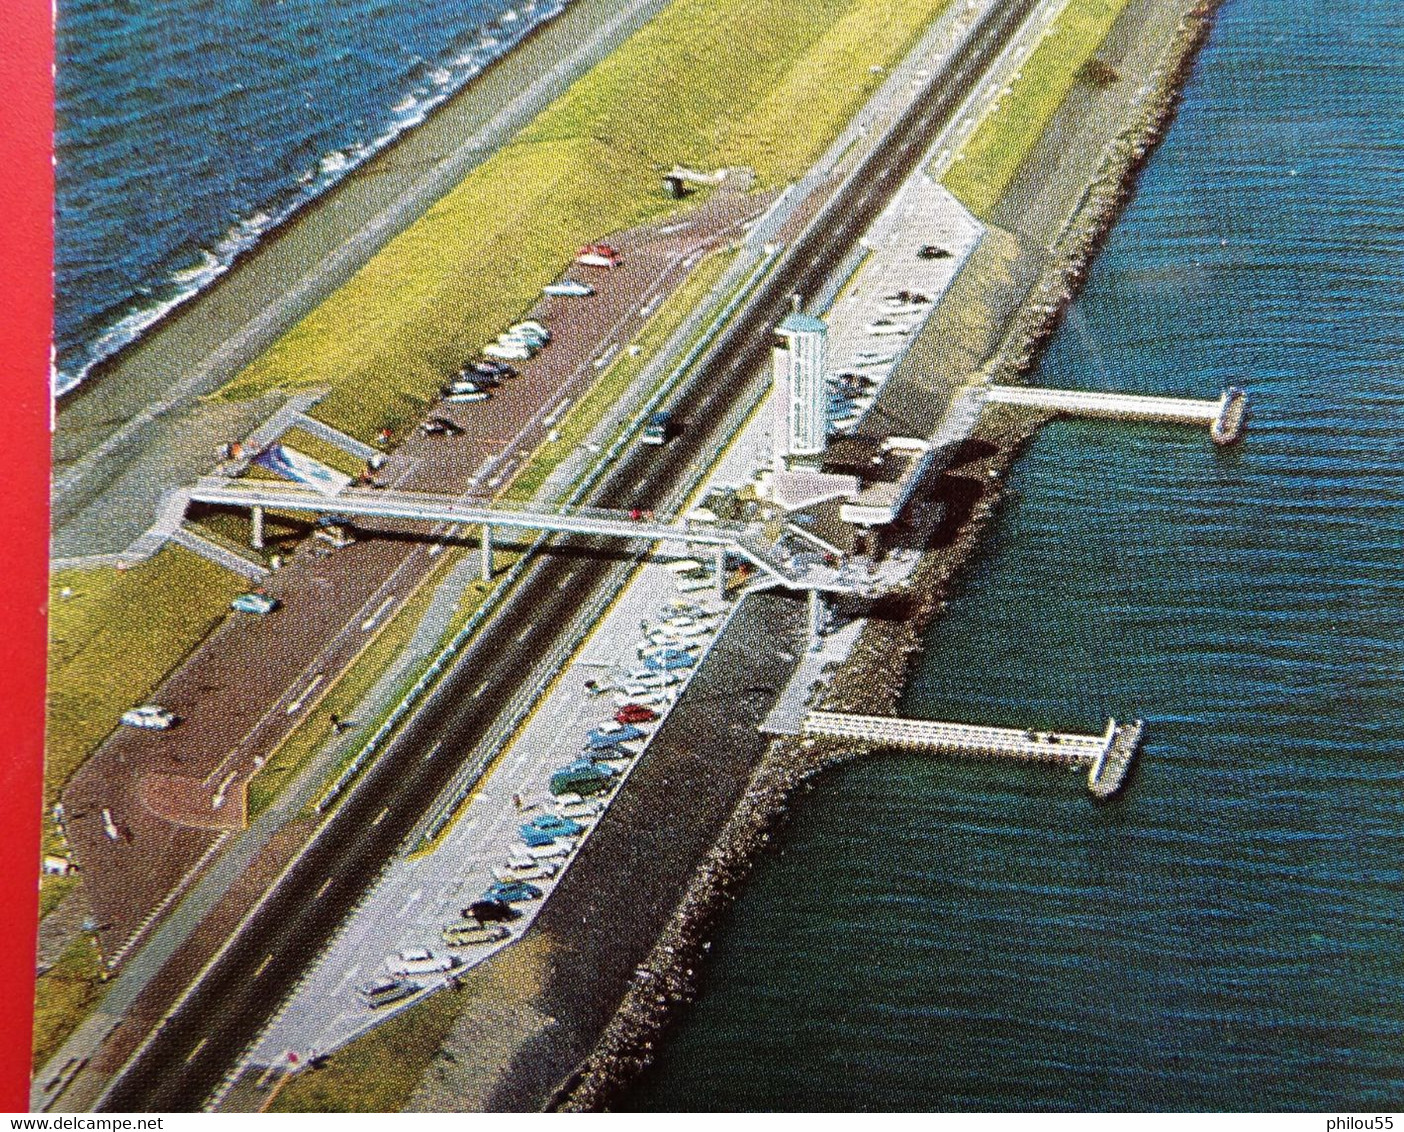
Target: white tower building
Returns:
[801, 398]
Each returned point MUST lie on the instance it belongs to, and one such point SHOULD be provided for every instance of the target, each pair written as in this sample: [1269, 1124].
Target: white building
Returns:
[800, 397]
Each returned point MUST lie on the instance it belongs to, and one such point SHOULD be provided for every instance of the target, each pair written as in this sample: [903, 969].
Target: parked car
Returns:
[554, 825]
[254, 602]
[490, 911]
[478, 383]
[932, 251]
[440, 426]
[635, 713]
[536, 838]
[588, 779]
[568, 287]
[508, 351]
[667, 660]
[528, 870]
[512, 891]
[150, 717]
[469, 931]
[418, 961]
[489, 369]
[382, 992]
[612, 733]
[530, 326]
[597, 255]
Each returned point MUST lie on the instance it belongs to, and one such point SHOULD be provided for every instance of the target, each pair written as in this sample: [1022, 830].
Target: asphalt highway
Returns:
[186, 1059]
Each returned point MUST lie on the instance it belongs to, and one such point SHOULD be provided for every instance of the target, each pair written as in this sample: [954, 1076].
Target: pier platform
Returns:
[1225, 418]
[1107, 757]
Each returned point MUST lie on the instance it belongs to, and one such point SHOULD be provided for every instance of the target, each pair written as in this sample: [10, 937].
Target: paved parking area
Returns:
[420, 894]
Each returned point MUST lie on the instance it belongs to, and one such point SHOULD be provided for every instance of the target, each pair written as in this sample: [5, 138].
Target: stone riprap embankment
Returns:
[873, 677]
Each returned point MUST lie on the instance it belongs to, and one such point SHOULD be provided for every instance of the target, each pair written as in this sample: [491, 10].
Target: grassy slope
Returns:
[709, 82]
[115, 639]
[990, 158]
[63, 995]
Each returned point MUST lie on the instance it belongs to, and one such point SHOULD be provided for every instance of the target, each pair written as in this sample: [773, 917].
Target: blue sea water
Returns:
[1230, 935]
[187, 129]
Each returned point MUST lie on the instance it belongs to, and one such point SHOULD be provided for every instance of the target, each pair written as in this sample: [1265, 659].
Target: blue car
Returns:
[512, 892]
[669, 659]
[584, 764]
[553, 825]
[607, 754]
[625, 734]
[537, 837]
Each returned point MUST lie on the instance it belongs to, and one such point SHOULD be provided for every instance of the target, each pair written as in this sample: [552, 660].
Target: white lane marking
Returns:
[380, 817]
[326, 884]
[525, 633]
[369, 623]
[296, 705]
[189, 1057]
[267, 959]
[609, 352]
[433, 750]
[565, 581]
[481, 689]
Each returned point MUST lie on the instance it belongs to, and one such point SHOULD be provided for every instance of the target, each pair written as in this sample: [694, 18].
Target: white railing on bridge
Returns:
[1137, 406]
[963, 738]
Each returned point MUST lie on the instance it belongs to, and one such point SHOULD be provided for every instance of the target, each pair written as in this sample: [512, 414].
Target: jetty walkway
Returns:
[1225, 418]
[1107, 757]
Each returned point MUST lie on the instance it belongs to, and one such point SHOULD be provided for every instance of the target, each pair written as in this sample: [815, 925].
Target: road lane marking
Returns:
[481, 689]
[267, 959]
[380, 817]
[326, 884]
[369, 623]
[296, 705]
[433, 750]
[525, 633]
[189, 1057]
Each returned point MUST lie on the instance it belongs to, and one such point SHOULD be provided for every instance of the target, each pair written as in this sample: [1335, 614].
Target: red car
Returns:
[635, 713]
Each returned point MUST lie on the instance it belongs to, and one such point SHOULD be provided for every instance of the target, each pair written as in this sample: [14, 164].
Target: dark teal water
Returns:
[1230, 935]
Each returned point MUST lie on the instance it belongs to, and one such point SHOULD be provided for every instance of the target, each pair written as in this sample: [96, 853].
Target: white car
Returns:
[887, 326]
[568, 287]
[530, 326]
[149, 716]
[418, 961]
[649, 697]
[536, 870]
[508, 351]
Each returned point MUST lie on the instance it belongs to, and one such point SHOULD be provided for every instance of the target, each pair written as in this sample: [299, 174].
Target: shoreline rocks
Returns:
[874, 676]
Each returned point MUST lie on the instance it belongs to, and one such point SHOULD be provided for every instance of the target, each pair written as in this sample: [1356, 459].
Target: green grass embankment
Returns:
[708, 83]
[63, 996]
[114, 638]
[991, 156]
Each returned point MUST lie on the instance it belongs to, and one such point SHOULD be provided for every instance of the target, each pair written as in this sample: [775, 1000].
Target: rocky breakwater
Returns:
[871, 680]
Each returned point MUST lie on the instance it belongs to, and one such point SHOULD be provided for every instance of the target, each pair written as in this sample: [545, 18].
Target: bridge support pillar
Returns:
[720, 569]
[487, 553]
[256, 537]
[816, 619]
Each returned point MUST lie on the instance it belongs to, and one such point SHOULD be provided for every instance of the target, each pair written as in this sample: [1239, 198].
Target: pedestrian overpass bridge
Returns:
[746, 540]
[1225, 418]
[1107, 757]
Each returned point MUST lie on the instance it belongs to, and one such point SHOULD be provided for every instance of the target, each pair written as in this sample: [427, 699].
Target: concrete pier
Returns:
[1225, 418]
[1107, 757]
